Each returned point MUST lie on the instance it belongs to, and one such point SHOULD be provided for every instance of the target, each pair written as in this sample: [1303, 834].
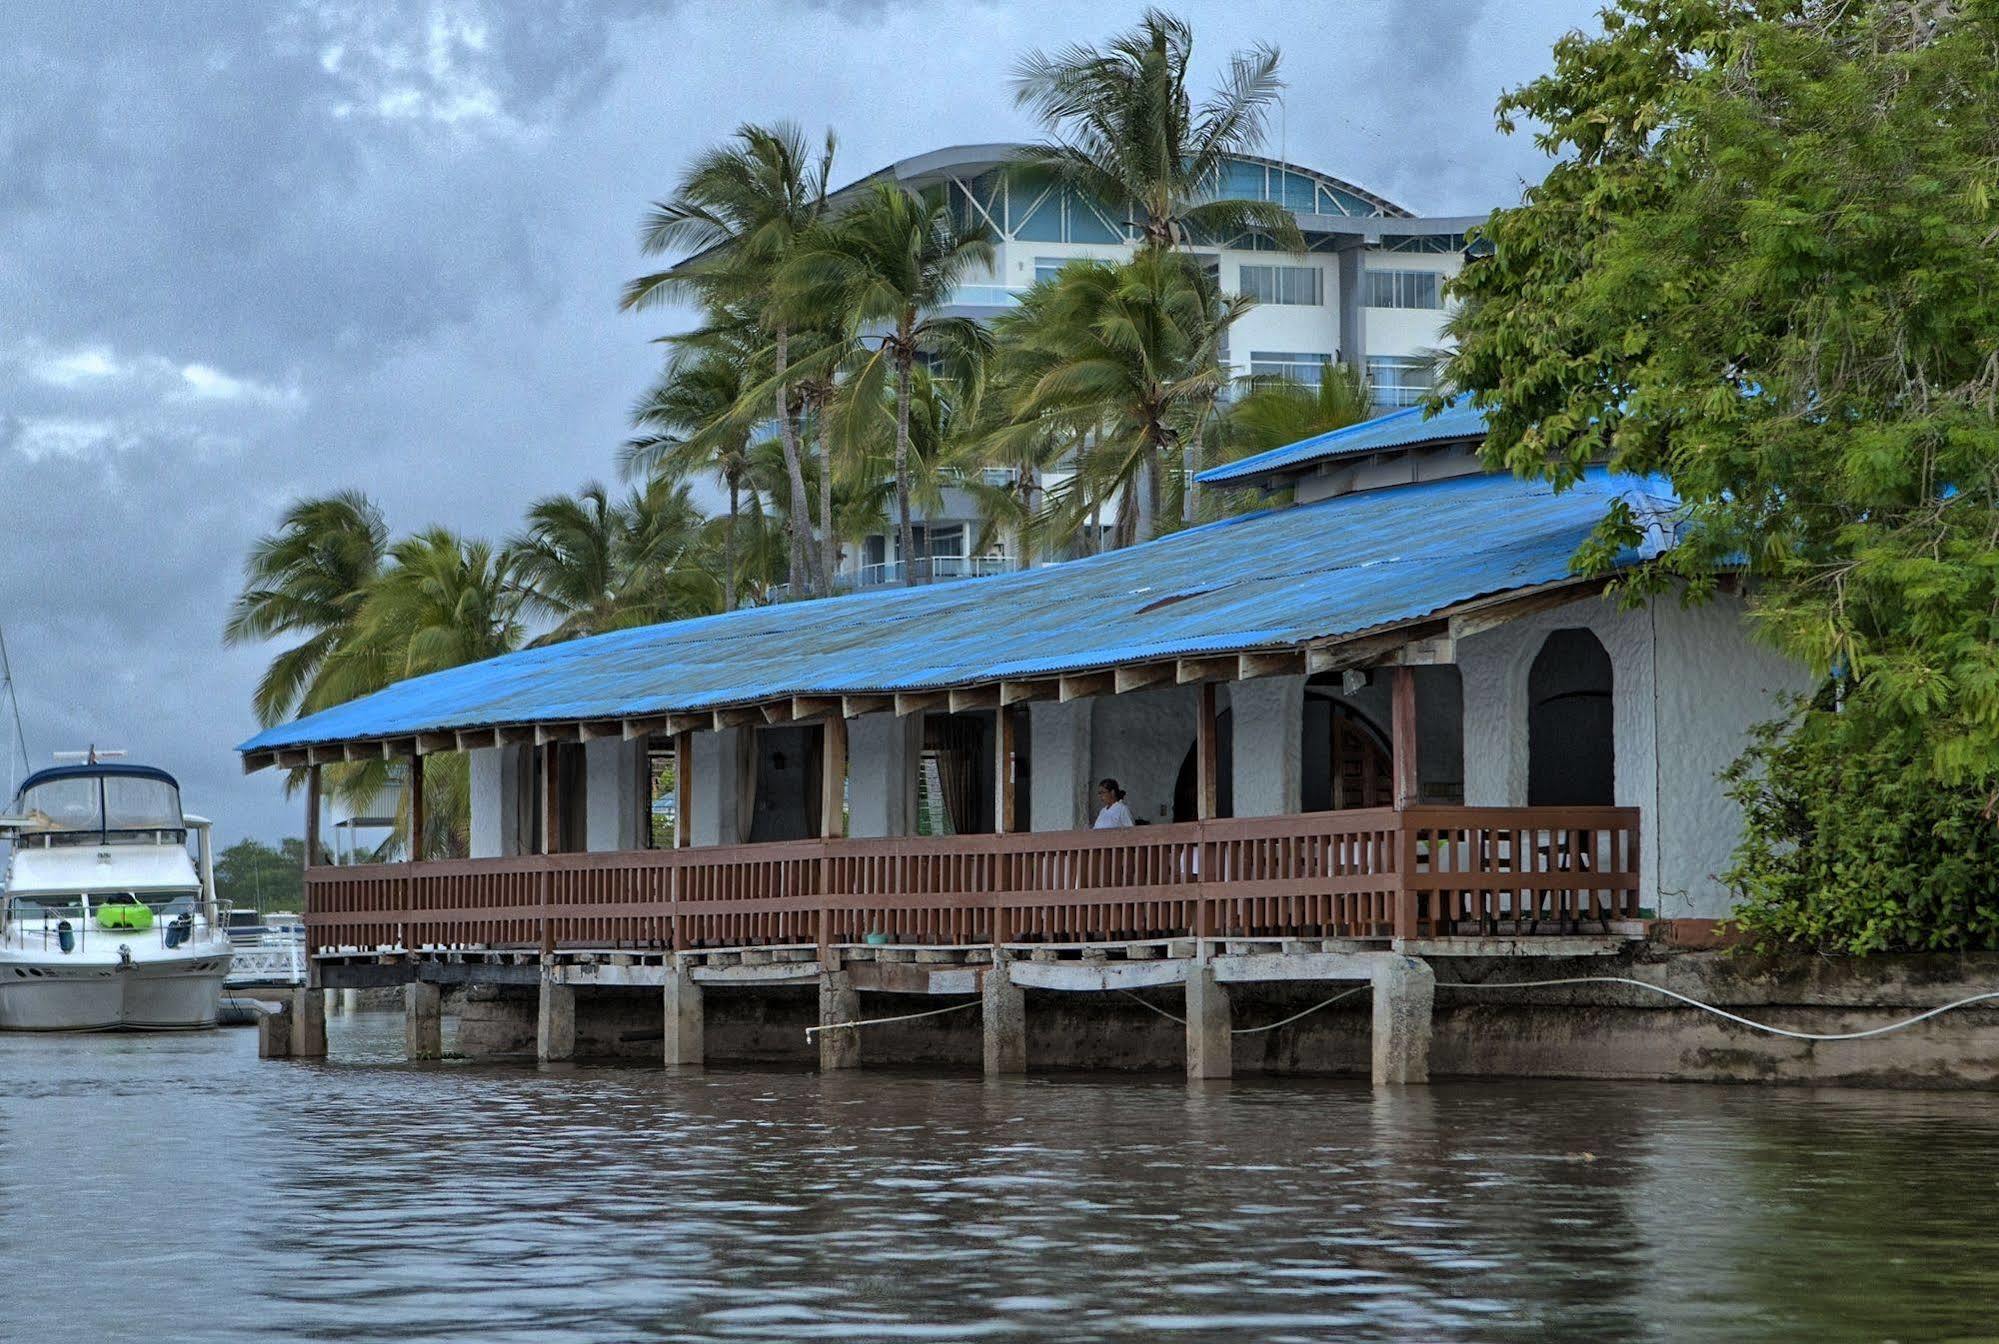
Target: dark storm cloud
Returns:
[253, 251]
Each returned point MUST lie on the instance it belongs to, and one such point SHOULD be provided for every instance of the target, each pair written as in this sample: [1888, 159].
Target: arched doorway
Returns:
[1362, 767]
[1571, 752]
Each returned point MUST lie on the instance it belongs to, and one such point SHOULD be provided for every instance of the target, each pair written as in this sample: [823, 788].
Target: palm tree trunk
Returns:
[729, 544]
[787, 430]
[1190, 489]
[1144, 497]
[906, 533]
[829, 539]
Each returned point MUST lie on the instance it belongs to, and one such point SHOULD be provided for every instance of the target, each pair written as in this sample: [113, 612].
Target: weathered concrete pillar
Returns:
[1405, 989]
[884, 752]
[1062, 793]
[685, 1019]
[308, 1024]
[333, 1002]
[274, 1033]
[616, 795]
[1267, 715]
[350, 1002]
[838, 1002]
[502, 781]
[1207, 1025]
[1004, 1015]
[555, 1021]
[423, 1020]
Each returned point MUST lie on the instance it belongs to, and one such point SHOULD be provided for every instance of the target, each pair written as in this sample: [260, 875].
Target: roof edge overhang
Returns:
[1421, 639]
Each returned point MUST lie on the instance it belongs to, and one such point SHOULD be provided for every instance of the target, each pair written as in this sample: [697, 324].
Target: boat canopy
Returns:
[99, 800]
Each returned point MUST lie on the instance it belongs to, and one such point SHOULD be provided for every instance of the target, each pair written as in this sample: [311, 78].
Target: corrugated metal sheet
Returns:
[1265, 580]
[1398, 429]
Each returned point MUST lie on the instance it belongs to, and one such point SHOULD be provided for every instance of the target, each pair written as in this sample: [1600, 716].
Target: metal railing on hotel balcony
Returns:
[1365, 873]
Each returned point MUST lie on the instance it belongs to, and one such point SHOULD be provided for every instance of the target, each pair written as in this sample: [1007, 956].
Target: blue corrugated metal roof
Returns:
[1266, 580]
[1398, 429]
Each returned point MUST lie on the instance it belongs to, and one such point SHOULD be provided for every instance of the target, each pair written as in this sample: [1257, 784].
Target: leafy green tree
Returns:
[882, 269]
[307, 579]
[1127, 134]
[741, 208]
[252, 875]
[1764, 266]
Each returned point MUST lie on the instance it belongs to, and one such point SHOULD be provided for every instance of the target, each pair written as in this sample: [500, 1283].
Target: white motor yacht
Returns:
[108, 922]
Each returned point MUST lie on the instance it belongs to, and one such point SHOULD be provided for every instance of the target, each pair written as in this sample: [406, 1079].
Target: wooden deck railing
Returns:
[1366, 873]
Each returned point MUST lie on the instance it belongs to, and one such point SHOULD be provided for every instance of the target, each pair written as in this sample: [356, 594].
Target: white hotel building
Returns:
[1366, 292]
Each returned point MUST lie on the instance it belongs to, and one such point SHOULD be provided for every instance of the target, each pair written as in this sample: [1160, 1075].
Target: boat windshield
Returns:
[101, 804]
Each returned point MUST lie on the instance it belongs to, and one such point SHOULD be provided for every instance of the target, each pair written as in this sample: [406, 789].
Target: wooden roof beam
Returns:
[1490, 613]
[915, 702]
[737, 716]
[1286, 663]
[689, 723]
[428, 744]
[853, 706]
[1020, 692]
[596, 730]
[777, 711]
[1138, 676]
[289, 758]
[817, 707]
[637, 728]
[975, 697]
[253, 761]
[1082, 685]
[514, 735]
[545, 733]
[1190, 670]
[325, 755]
[476, 739]
[1436, 651]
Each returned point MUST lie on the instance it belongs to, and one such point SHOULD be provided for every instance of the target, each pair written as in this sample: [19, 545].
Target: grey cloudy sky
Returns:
[251, 252]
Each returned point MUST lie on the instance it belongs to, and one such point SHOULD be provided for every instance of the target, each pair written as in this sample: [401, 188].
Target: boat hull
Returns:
[177, 994]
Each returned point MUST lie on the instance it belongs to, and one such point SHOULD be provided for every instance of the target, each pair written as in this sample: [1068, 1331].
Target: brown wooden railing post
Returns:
[1402, 734]
[1405, 873]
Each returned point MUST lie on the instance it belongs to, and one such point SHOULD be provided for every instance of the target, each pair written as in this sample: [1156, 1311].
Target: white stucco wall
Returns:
[715, 791]
[614, 793]
[1140, 739]
[1687, 685]
[1062, 792]
[499, 778]
[1267, 734]
[883, 753]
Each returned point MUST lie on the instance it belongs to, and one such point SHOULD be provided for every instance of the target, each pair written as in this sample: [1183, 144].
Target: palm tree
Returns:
[1279, 411]
[440, 601]
[692, 422]
[884, 267]
[741, 208]
[1126, 358]
[1127, 135]
[590, 564]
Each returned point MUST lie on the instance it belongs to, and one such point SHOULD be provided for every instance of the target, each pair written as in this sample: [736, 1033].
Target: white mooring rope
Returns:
[1508, 984]
[1734, 1017]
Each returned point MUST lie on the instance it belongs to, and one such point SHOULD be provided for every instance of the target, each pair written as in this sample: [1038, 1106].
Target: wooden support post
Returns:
[683, 790]
[833, 779]
[1206, 754]
[1006, 751]
[416, 810]
[1403, 725]
[551, 798]
[311, 816]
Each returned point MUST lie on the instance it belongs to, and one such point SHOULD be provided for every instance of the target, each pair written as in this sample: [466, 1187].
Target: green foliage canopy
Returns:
[1767, 267]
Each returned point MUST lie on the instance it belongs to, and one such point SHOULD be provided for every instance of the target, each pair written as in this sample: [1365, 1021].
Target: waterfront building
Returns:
[1440, 728]
[1367, 291]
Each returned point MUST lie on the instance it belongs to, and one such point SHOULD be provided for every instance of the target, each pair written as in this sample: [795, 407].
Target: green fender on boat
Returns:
[132, 917]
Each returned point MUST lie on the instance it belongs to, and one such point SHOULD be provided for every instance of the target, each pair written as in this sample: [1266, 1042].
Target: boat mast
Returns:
[19, 753]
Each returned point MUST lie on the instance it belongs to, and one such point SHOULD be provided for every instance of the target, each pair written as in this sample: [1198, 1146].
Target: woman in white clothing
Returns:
[1115, 814]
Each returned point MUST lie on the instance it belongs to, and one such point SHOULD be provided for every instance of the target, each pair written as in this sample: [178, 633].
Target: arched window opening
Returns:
[1571, 755]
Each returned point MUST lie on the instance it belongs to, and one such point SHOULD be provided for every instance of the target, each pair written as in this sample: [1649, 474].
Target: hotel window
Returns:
[1284, 284]
[1398, 380]
[1299, 366]
[1047, 268]
[1403, 289]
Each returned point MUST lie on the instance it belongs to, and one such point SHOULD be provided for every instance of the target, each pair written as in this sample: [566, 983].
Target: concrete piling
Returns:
[685, 1019]
[555, 1021]
[1405, 990]
[308, 1024]
[1207, 1024]
[274, 1032]
[838, 1002]
[423, 1020]
[1004, 1015]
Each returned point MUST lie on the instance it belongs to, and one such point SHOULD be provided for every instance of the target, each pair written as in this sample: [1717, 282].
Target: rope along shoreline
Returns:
[1690, 1001]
